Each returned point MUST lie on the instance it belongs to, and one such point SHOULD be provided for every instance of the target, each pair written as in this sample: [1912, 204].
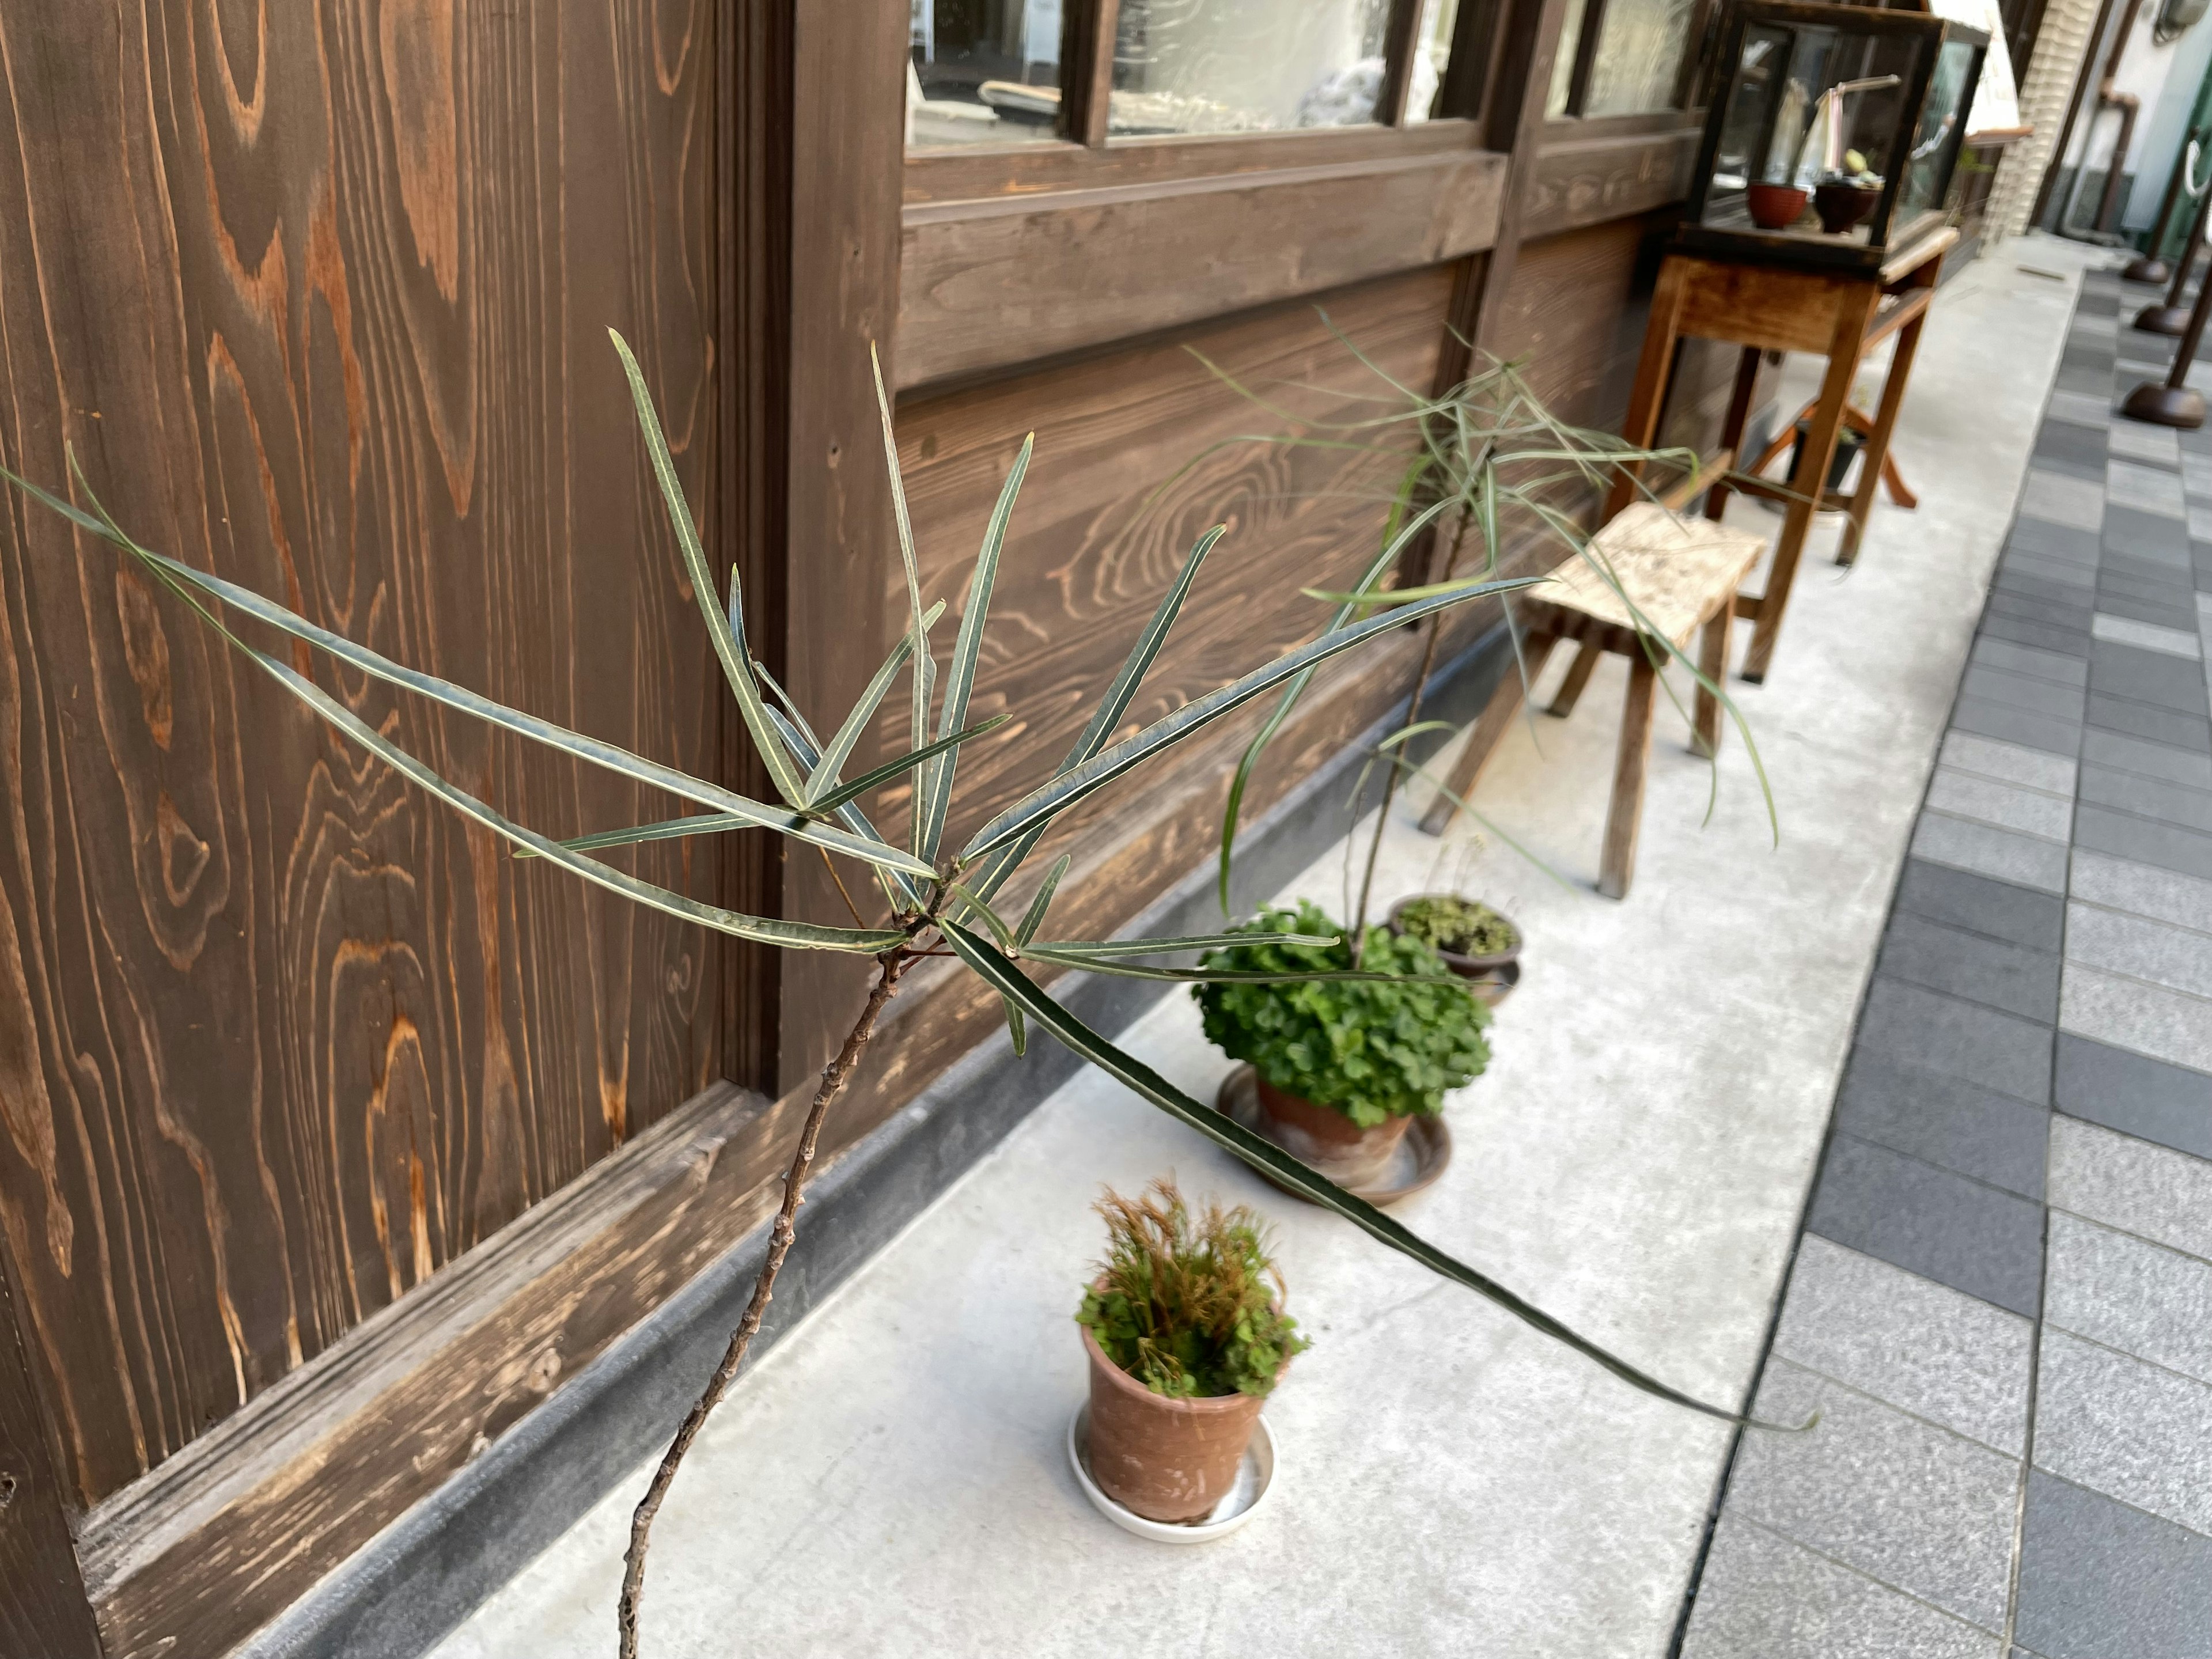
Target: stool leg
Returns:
[1875, 465]
[1625, 817]
[1482, 742]
[1578, 673]
[1655, 370]
[1809, 479]
[1739, 415]
[1712, 663]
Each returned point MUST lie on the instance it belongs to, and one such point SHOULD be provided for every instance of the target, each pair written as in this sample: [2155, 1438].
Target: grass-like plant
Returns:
[1488, 466]
[1373, 1048]
[1192, 1307]
[1466, 927]
[943, 899]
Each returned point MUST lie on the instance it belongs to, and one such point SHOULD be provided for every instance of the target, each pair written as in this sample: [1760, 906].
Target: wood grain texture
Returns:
[1586, 181]
[972, 173]
[847, 131]
[224, 1535]
[1011, 280]
[318, 294]
[44, 1611]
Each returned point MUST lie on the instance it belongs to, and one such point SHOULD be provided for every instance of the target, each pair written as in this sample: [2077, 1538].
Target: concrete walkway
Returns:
[890, 1481]
[2002, 1303]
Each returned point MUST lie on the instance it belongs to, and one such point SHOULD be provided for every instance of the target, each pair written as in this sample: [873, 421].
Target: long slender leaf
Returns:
[1017, 1026]
[892, 768]
[1107, 717]
[612, 756]
[1394, 549]
[924, 665]
[1121, 967]
[1115, 703]
[839, 749]
[934, 798]
[1161, 947]
[1033, 917]
[736, 659]
[699, 823]
[1278, 1165]
[898, 888]
[1041, 806]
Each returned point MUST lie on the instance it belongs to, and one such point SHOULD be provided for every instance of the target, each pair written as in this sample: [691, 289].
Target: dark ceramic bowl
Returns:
[1841, 207]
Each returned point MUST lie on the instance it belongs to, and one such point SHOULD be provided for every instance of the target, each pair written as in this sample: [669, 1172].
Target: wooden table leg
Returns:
[1625, 816]
[1654, 370]
[1712, 663]
[1739, 415]
[1809, 477]
[1482, 741]
[1578, 673]
[1875, 456]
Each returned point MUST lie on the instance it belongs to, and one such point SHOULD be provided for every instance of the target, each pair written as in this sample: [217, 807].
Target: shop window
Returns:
[1623, 57]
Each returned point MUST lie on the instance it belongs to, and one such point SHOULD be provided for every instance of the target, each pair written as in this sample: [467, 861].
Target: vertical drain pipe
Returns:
[2129, 106]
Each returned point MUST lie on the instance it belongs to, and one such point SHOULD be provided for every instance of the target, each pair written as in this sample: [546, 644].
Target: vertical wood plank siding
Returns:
[318, 294]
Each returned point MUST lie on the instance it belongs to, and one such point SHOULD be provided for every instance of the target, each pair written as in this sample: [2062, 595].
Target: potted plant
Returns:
[1342, 1066]
[1186, 1333]
[1478, 943]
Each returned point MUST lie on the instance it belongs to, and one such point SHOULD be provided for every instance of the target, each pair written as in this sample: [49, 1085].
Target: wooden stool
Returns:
[1838, 313]
[1682, 574]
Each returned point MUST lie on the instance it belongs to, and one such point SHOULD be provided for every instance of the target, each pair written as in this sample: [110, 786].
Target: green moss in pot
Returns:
[1185, 1331]
[1343, 1065]
[1473, 938]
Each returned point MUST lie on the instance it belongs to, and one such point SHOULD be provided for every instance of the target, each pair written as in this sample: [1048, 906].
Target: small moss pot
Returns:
[1165, 1459]
[1475, 967]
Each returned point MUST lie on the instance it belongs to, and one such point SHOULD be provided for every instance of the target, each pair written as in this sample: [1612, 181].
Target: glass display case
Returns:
[1831, 132]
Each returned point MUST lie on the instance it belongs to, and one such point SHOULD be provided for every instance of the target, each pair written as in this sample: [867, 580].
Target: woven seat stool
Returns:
[1682, 575]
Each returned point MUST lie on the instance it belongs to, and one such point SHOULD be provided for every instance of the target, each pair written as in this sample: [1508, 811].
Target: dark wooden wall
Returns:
[318, 293]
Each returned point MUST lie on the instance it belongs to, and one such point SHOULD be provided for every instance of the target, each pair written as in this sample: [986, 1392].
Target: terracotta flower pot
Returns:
[1166, 1460]
[1471, 967]
[1774, 207]
[1327, 1141]
[1841, 206]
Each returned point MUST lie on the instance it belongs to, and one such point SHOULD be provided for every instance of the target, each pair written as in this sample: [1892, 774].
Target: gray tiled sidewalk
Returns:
[2002, 1305]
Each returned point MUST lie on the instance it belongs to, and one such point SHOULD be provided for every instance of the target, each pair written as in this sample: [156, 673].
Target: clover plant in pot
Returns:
[1343, 1065]
[1474, 939]
[1184, 1327]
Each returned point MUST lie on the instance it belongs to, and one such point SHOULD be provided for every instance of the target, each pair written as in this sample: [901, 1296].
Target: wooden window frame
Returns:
[1681, 105]
[1083, 156]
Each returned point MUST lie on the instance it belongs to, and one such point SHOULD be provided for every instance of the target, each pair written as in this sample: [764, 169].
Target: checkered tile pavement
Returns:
[2002, 1304]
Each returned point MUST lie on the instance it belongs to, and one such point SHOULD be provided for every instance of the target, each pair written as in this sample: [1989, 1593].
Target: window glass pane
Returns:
[983, 71]
[1563, 66]
[1246, 65]
[1927, 169]
[1639, 57]
[1432, 54]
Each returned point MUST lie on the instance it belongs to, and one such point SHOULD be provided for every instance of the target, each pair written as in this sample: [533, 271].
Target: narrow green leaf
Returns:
[1271, 1160]
[1017, 1027]
[1394, 549]
[1033, 917]
[699, 823]
[1161, 947]
[992, 920]
[934, 797]
[612, 756]
[1063, 791]
[737, 661]
[892, 768]
[1407, 735]
[763, 930]
[823, 778]
[1121, 967]
[899, 890]
[1395, 595]
[924, 667]
[1107, 717]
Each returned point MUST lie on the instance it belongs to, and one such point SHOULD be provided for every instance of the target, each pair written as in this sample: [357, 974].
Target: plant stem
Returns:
[1390, 773]
[834, 1078]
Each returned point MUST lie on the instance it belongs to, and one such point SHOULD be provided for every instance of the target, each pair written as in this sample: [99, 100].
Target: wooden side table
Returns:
[1768, 308]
